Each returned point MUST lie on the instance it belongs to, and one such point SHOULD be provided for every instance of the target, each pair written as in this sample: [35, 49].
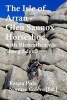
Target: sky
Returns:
[50, 5]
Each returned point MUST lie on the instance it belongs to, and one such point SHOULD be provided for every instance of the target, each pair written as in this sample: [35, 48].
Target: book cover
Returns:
[33, 50]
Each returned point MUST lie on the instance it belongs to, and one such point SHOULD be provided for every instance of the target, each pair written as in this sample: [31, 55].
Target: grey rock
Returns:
[33, 84]
[21, 60]
[50, 68]
[51, 57]
[34, 54]
[16, 79]
[57, 18]
[62, 80]
[25, 65]
[4, 22]
[51, 83]
[60, 12]
[59, 36]
[51, 97]
[37, 13]
[48, 82]
[45, 56]
[5, 67]
[2, 79]
[24, 40]
[18, 58]
[42, 43]
[35, 20]
[35, 96]
[56, 30]
[60, 25]
[59, 43]
[62, 65]
[58, 55]
[13, 95]
[3, 56]
[40, 72]
[41, 31]
[4, 40]
[28, 28]
[13, 58]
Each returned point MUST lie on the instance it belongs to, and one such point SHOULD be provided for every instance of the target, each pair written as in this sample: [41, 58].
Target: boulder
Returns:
[21, 60]
[37, 20]
[49, 82]
[59, 36]
[27, 28]
[13, 57]
[33, 84]
[34, 54]
[45, 56]
[25, 65]
[4, 56]
[51, 57]
[58, 55]
[5, 67]
[62, 65]
[16, 80]
[64, 25]
[23, 40]
[57, 18]
[30, 29]
[2, 79]
[57, 30]
[35, 96]
[51, 97]
[62, 80]
[4, 22]
[59, 43]
[60, 12]
[13, 95]
[18, 58]
[42, 43]
[41, 32]
[4, 40]
[50, 68]
[36, 12]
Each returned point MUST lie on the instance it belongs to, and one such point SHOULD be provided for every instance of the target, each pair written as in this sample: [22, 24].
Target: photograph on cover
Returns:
[33, 50]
